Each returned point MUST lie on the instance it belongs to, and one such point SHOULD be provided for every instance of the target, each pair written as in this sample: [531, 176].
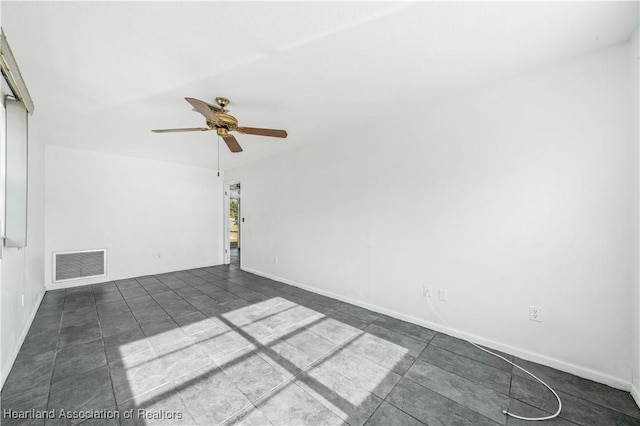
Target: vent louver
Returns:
[79, 264]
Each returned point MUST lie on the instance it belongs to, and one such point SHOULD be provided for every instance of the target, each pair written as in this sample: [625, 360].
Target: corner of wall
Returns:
[635, 250]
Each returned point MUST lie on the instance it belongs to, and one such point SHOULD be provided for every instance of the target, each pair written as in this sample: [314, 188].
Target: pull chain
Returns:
[218, 155]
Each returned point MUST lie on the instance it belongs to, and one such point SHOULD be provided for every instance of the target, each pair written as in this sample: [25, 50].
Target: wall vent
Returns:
[75, 265]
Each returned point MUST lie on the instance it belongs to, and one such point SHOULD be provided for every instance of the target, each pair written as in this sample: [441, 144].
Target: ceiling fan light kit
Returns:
[218, 119]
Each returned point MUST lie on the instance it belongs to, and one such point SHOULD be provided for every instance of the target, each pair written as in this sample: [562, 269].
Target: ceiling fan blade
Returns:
[232, 143]
[186, 129]
[263, 132]
[212, 107]
[215, 108]
[204, 109]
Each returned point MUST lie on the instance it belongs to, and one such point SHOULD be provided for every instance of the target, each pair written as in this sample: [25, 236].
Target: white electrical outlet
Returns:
[535, 313]
[275, 259]
[442, 294]
[158, 255]
[23, 300]
[426, 291]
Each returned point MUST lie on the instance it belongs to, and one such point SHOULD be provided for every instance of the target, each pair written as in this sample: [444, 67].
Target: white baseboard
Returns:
[14, 353]
[571, 368]
[110, 278]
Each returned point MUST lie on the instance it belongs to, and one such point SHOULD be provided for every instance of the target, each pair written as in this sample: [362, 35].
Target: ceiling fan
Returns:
[217, 119]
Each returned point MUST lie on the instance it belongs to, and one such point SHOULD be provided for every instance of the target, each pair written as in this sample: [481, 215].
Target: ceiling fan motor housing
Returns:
[225, 122]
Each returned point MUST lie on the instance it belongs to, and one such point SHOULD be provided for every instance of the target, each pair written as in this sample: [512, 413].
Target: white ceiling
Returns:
[102, 74]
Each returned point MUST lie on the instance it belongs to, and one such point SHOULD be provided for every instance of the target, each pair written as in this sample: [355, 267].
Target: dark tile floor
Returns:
[221, 346]
[235, 256]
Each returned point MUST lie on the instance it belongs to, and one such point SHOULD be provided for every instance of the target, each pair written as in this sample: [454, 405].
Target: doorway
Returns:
[233, 225]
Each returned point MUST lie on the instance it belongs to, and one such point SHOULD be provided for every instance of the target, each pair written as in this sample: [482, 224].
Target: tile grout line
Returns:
[586, 401]
[156, 354]
[467, 378]
[467, 357]
[104, 347]
[151, 347]
[446, 397]
[385, 399]
[55, 356]
[172, 381]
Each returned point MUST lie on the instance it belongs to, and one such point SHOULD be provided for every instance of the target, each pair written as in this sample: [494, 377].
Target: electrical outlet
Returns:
[275, 259]
[23, 300]
[426, 291]
[535, 313]
[442, 294]
[158, 255]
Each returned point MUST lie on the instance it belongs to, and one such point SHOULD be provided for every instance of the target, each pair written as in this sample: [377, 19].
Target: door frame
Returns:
[226, 245]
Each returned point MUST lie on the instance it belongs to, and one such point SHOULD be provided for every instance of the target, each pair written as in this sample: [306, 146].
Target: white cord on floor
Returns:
[533, 419]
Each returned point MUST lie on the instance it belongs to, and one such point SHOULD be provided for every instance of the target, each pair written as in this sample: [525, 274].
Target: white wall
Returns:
[135, 209]
[516, 194]
[22, 270]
